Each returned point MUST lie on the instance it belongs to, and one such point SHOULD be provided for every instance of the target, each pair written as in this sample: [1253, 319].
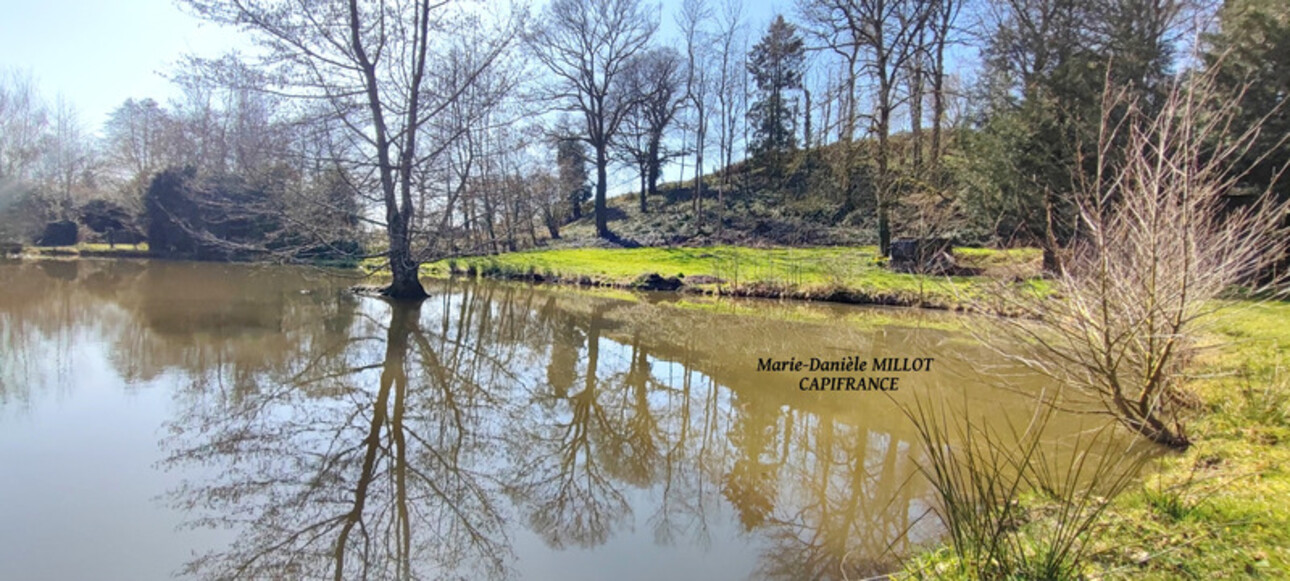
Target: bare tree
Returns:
[24, 119]
[69, 159]
[478, 129]
[879, 37]
[732, 77]
[655, 77]
[548, 198]
[134, 137]
[830, 29]
[1160, 244]
[697, 90]
[942, 25]
[374, 66]
[587, 45]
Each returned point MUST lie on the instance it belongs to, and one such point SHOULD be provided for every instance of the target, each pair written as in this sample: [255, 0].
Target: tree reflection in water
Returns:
[359, 467]
[412, 448]
[359, 439]
[564, 486]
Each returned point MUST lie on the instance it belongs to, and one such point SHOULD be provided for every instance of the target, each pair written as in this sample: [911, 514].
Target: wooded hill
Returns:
[748, 204]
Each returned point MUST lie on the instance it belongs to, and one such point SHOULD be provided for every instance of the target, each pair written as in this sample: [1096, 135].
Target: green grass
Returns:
[990, 256]
[1221, 509]
[806, 273]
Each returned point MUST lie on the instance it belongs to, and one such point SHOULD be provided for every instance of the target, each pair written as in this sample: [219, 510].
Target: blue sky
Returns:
[97, 54]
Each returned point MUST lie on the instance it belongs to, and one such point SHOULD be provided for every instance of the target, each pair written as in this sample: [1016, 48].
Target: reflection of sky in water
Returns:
[677, 459]
[78, 479]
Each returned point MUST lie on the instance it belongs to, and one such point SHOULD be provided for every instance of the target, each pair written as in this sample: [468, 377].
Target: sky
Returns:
[97, 54]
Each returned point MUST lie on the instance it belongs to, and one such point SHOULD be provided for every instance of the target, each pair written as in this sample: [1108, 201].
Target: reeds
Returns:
[1017, 503]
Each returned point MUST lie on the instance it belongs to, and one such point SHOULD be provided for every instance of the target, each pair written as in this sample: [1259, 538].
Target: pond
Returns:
[163, 419]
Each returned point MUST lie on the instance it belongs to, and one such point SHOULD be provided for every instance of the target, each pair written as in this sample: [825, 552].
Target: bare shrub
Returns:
[1162, 235]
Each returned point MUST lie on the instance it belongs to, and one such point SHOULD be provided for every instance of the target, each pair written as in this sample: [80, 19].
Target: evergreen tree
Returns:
[775, 64]
[571, 157]
[1047, 67]
[1252, 52]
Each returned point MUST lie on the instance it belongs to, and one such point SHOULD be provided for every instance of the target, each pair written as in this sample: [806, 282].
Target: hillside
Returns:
[751, 213]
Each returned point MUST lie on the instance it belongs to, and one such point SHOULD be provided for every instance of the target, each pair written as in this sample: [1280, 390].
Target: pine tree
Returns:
[571, 157]
[1252, 52]
[775, 64]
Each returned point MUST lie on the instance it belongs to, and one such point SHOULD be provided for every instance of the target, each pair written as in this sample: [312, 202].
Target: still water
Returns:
[231, 421]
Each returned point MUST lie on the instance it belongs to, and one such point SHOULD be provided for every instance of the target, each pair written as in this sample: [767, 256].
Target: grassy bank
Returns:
[99, 250]
[87, 250]
[1221, 509]
[840, 274]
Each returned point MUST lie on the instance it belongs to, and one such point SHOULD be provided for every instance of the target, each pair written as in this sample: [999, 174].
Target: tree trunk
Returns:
[488, 221]
[916, 111]
[653, 165]
[698, 190]
[405, 284]
[552, 228]
[644, 184]
[938, 100]
[884, 185]
[806, 121]
[533, 241]
[700, 139]
[1052, 261]
[602, 184]
[884, 229]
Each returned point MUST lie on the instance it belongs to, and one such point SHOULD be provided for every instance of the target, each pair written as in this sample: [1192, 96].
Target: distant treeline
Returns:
[971, 119]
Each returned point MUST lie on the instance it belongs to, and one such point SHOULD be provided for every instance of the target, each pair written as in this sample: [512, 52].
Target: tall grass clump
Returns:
[1016, 504]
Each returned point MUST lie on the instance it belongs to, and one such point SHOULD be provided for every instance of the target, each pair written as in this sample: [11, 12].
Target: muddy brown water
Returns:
[162, 419]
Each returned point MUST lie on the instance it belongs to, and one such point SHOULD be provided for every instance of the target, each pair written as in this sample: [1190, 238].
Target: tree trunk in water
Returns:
[405, 283]
[602, 179]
